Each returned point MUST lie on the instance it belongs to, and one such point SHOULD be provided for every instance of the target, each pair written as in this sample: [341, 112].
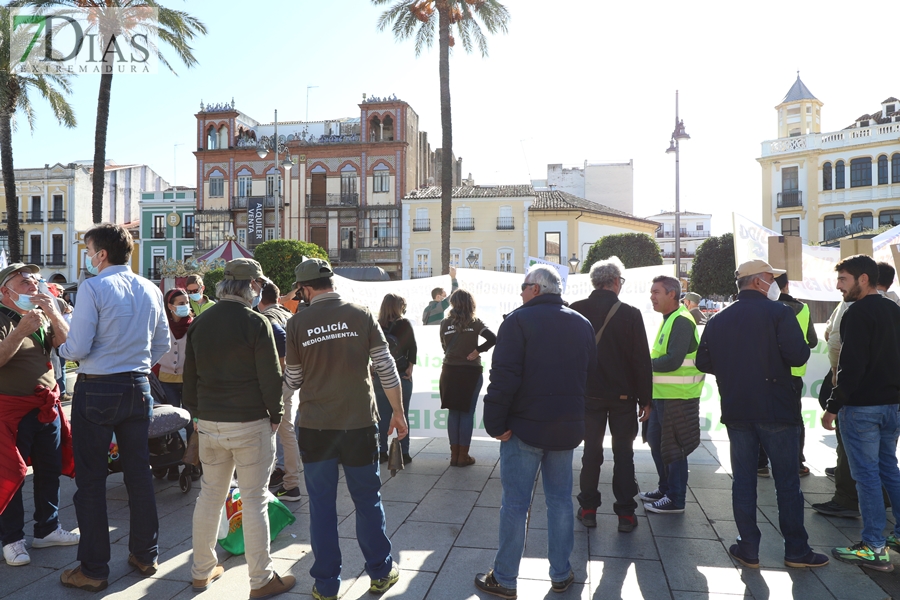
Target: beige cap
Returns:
[754, 267]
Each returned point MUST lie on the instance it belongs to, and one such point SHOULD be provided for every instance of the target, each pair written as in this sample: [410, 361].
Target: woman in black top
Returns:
[461, 374]
[402, 344]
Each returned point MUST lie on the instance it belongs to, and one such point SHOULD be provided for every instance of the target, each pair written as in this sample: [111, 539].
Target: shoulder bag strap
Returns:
[609, 316]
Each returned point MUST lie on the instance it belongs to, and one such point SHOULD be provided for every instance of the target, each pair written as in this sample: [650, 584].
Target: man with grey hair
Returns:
[232, 386]
[692, 303]
[750, 347]
[617, 391]
[535, 406]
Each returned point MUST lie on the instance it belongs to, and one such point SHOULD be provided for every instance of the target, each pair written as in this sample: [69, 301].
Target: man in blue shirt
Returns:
[119, 330]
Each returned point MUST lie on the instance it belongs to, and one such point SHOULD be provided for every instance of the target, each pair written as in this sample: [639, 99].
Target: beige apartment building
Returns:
[499, 227]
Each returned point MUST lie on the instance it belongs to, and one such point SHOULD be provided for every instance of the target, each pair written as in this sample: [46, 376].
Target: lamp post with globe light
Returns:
[677, 135]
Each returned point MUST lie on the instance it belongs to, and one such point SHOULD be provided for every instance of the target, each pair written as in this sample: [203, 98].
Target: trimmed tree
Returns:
[633, 249]
[713, 270]
[210, 280]
[279, 258]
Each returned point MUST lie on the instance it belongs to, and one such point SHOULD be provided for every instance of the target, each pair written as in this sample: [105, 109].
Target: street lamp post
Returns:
[678, 134]
[573, 263]
[263, 152]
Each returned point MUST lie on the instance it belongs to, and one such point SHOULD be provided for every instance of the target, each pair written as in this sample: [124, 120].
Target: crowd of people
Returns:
[256, 371]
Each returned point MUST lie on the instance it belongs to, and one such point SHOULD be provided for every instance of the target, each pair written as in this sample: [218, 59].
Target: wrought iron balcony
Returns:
[419, 273]
[4, 220]
[790, 199]
[34, 216]
[154, 274]
[158, 233]
[364, 255]
[505, 269]
[332, 199]
[703, 233]
[57, 216]
[55, 260]
[34, 259]
[241, 202]
[506, 223]
[422, 225]
[464, 224]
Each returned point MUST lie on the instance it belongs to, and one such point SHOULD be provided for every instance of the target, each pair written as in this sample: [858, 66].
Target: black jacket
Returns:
[750, 347]
[623, 355]
[869, 366]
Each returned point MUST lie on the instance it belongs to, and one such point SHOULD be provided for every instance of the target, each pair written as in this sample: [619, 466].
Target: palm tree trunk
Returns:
[100, 147]
[9, 187]
[447, 136]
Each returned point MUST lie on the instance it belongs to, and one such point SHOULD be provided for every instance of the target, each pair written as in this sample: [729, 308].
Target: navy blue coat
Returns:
[750, 347]
[538, 375]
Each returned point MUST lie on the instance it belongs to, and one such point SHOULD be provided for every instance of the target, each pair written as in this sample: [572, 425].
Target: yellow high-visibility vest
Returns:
[686, 381]
[803, 319]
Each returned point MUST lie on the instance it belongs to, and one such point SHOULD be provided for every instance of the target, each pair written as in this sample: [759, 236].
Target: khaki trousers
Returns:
[287, 434]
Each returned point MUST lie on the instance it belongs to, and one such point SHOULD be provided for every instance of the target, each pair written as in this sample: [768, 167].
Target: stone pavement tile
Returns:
[495, 474]
[812, 484]
[456, 578]
[849, 582]
[535, 565]
[821, 531]
[427, 464]
[413, 585]
[175, 563]
[798, 584]
[626, 579]
[698, 566]
[176, 527]
[445, 506]
[395, 513]
[484, 455]
[491, 494]
[14, 579]
[609, 499]
[482, 529]
[716, 504]
[692, 523]
[54, 557]
[606, 541]
[465, 478]
[420, 546]
[705, 596]
[771, 545]
[406, 487]
[702, 476]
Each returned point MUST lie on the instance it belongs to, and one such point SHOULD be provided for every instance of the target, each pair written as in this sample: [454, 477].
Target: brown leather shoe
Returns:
[201, 584]
[74, 578]
[454, 454]
[464, 459]
[144, 570]
[277, 585]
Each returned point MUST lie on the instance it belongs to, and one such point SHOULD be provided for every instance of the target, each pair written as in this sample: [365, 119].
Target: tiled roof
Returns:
[891, 99]
[798, 91]
[478, 191]
[683, 213]
[558, 200]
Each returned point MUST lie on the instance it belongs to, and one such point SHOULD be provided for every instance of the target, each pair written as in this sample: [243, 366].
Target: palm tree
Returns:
[418, 18]
[14, 97]
[122, 19]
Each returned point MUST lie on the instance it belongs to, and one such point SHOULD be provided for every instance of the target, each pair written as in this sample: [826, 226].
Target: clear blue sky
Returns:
[572, 80]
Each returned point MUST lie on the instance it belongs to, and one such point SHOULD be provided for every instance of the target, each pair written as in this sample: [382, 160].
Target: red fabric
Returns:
[12, 410]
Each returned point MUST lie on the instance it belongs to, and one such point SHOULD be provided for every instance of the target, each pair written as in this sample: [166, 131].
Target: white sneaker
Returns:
[15, 554]
[60, 537]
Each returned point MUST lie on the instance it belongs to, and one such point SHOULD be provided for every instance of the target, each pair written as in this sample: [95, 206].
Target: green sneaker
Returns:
[319, 596]
[893, 543]
[380, 586]
[861, 554]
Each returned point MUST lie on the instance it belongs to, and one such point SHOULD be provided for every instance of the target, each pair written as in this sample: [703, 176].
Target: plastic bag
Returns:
[231, 528]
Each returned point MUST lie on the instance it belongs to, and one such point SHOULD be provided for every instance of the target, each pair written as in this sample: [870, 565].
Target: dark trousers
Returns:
[621, 416]
[763, 460]
[386, 412]
[39, 442]
[101, 406]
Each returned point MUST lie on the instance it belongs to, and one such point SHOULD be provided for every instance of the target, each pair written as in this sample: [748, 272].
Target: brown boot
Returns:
[277, 585]
[454, 454]
[74, 578]
[464, 459]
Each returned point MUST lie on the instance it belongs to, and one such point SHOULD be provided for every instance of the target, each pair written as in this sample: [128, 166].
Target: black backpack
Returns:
[394, 348]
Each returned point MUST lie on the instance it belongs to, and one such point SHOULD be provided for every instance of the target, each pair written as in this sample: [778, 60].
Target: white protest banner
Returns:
[563, 270]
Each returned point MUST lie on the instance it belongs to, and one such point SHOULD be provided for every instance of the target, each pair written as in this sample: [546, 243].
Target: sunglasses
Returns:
[528, 285]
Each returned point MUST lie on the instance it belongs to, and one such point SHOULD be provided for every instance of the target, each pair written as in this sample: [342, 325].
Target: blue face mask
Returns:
[24, 302]
[195, 297]
[255, 301]
[90, 265]
[182, 311]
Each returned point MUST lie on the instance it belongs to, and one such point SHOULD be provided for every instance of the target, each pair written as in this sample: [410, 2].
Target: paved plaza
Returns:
[443, 523]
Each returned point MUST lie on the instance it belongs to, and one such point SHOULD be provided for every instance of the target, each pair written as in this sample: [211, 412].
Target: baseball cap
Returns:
[312, 269]
[15, 267]
[693, 297]
[754, 267]
[242, 269]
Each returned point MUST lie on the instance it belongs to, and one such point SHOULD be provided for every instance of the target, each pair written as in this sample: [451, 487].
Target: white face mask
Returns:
[774, 291]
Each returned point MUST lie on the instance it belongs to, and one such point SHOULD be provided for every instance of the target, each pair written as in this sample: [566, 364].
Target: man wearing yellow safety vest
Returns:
[673, 430]
[801, 311]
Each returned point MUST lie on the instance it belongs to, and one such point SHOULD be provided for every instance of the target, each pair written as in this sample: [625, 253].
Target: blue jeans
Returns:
[385, 412]
[101, 406]
[870, 437]
[357, 452]
[40, 442]
[519, 464]
[674, 476]
[782, 443]
[461, 424]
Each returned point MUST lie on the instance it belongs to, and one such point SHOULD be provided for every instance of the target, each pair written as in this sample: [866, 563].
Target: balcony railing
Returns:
[684, 234]
[34, 216]
[422, 225]
[419, 273]
[34, 259]
[154, 274]
[241, 202]
[5, 217]
[885, 132]
[57, 216]
[158, 233]
[364, 255]
[188, 232]
[332, 200]
[506, 223]
[55, 260]
[789, 199]
[464, 224]
[505, 269]
[672, 254]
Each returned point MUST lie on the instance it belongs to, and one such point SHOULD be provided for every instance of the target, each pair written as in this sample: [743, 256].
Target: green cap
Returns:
[15, 267]
[693, 297]
[312, 269]
[243, 269]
